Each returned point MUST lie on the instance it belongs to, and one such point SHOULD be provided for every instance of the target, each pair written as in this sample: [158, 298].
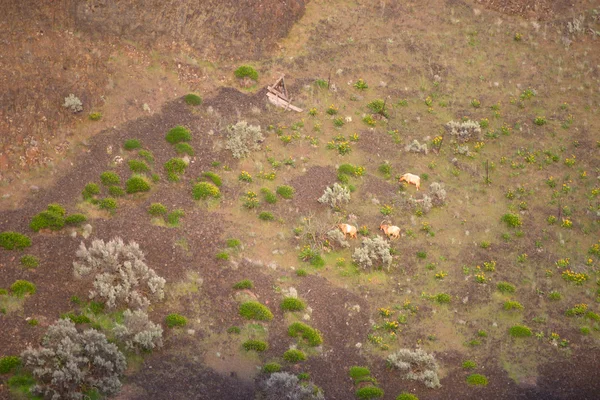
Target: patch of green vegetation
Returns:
[132, 144]
[216, 179]
[255, 310]
[234, 329]
[520, 331]
[269, 196]
[443, 298]
[174, 216]
[110, 178]
[137, 184]
[53, 218]
[266, 216]
[269, 368]
[138, 166]
[256, 345]
[146, 155]
[244, 284]
[116, 191]
[178, 134]
[157, 209]
[378, 107]
[223, 255]
[512, 220]
[301, 272]
[75, 219]
[505, 287]
[369, 392]
[13, 240]
[192, 99]
[77, 318]
[9, 364]
[292, 304]
[512, 305]
[406, 396]
[554, 295]
[184, 148]
[21, 385]
[204, 190]
[477, 380]
[22, 287]
[175, 167]
[358, 373]
[468, 364]
[175, 320]
[30, 261]
[90, 190]
[294, 356]
[108, 204]
[287, 192]
[95, 116]
[311, 335]
[246, 71]
[233, 243]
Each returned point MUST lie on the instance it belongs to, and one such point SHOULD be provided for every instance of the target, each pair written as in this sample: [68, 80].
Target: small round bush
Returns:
[311, 335]
[407, 396]
[512, 305]
[95, 116]
[505, 287]
[57, 209]
[520, 331]
[468, 364]
[137, 184]
[13, 240]
[90, 190]
[178, 134]
[138, 166]
[146, 155]
[266, 216]
[9, 363]
[204, 190]
[193, 99]
[256, 345]
[347, 169]
[369, 392]
[512, 220]
[443, 298]
[184, 148]
[294, 356]
[244, 284]
[175, 320]
[255, 310]
[292, 304]
[287, 192]
[216, 179]
[269, 196]
[233, 243]
[47, 220]
[157, 209]
[132, 144]
[110, 178]
[271, 367]
[78, 318]
[29, 261]
[174, 168]
[173, 217]
[20, 288]
[75, 219]
[301, 272]
[477, 380]
[108, 204]
[357, 373]
[223, 255]
[116, 191]
[246, 71]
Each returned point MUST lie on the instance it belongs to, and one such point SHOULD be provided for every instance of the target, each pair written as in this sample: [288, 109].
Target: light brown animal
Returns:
[348, 230]
[391, 231]
[412, 179]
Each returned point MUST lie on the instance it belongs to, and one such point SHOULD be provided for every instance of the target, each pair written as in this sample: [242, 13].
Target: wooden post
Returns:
[328, 79]
[487, 171]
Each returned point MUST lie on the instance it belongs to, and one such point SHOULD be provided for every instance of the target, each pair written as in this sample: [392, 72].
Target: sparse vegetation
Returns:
[204, 190]
[14, 240]
[287, 192]
[175, 320]
[192, 99]
[294, 356]
[255, 310]
[132, 144]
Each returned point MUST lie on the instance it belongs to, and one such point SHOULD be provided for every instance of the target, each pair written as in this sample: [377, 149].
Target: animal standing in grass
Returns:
[348, 230]
[412, 179]
[391, 231]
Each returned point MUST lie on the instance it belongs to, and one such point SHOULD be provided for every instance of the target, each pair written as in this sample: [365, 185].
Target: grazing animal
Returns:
[348, 230]
[391, 231]
[412, 179]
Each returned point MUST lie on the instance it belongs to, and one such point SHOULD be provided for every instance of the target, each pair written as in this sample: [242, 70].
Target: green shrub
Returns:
[204, 190]
[178, 134]
[406, 396]
[174, 320]
[75, 219]
[52, 218]
[20, 288]
[369, 392]
[13, 240]
[173, 217]
[246, 71]
[78, 318]
[292, 304]
[554, 295]
[96, 307]
[138, 166]
[256, 345]
[234, 329]
[192, 99]
[520, 331]
[294, 356]
[108, 204]
[90, 190]
[255, 310]
[157, 209]
[95, 116]
[174, 168]
[223, 255]
[347, 169]
[271, 367]
[269, 196]
[505, 287]
[512, 305]
[216, 179]
[155, 178]
[9, 363]
[244, 284]
[468, 364]
[358, 373]
[184, 148]
[477, 380]
[137, 184]
[116, 191]
[233, 243]
[301, 272]
[512, 220]
[146, 155]
[29, 261]
[287, 192]
[266, 216]
[311, 335]
[110, 178]
[443, 298]
[132, 144]
[378, 107]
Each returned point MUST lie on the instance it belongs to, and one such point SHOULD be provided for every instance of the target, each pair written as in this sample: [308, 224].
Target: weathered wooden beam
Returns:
[279, 102]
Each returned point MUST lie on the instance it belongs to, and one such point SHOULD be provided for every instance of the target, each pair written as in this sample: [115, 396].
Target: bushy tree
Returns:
[138, 332]
[71, 362]
[374, 252]
[243, 138]
[121, 275]
[283, 385]
[418, 365]
[335, 195]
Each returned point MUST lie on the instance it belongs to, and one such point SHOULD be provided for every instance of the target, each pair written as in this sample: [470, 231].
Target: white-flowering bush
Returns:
[121, 275]
[283, 385]
[464, 131]
[73, 103]
[416, 147]
[138, 332]
[417, 365]
[335, 235]
[374, 252]
[243, 138]
[70, 362]
[335, 195]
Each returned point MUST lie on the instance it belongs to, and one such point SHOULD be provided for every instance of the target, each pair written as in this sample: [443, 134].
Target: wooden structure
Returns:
[278, 95]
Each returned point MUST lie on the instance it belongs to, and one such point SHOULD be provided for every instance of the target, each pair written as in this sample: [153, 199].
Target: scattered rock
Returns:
[87, 231]
[34, 188]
